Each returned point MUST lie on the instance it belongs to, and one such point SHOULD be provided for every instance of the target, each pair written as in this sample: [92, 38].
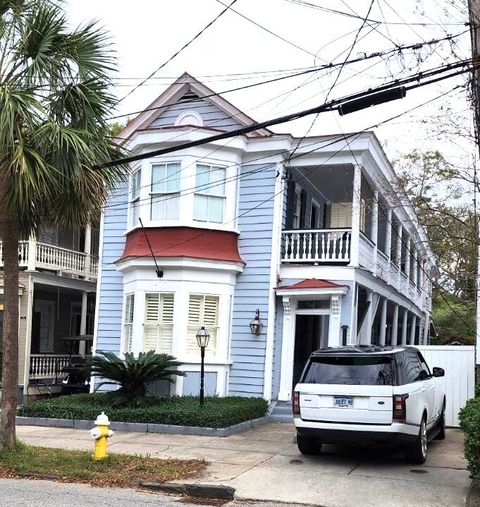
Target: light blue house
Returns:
[325, 245]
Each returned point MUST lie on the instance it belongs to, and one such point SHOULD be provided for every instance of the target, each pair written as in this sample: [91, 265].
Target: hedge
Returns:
[183, 411]
[470, 424]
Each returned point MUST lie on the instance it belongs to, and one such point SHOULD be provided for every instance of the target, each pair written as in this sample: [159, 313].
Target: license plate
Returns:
[342, 401]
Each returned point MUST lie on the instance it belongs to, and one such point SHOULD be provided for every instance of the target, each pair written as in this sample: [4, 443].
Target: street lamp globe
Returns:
[203, 336]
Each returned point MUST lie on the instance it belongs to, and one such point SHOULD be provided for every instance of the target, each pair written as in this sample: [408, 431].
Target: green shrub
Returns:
[470, 424]
[131, 373]
[182, 411]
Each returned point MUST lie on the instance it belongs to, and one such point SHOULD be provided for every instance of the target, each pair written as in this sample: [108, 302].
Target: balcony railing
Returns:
[48, 366]
[34, 255]
[316, 245]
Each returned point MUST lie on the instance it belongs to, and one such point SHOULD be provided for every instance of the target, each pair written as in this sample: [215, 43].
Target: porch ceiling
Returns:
[335, 182]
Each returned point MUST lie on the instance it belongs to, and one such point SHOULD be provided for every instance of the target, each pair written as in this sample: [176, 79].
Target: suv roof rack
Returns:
[358, 349]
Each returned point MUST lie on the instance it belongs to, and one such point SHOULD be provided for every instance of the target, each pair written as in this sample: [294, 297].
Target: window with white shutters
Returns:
[158, 325]
[202, 311]
[128, 321]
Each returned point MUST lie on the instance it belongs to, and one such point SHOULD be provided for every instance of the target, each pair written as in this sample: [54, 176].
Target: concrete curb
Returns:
[143, 427]
[217, 491]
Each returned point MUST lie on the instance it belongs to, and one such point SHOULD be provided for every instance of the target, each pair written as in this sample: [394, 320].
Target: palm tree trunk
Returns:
[9, 236]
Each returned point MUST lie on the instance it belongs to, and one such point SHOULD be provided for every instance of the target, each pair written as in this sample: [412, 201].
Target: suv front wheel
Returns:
[417, 452]
[308, 445]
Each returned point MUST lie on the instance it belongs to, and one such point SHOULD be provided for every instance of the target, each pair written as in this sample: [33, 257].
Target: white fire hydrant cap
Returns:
[102, 420]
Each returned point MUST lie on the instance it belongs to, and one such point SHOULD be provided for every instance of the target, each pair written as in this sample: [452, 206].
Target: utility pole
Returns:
[474, 17]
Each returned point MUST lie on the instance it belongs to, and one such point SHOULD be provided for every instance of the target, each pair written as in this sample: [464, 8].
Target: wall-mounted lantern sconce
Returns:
[344, 334]
[256, 324]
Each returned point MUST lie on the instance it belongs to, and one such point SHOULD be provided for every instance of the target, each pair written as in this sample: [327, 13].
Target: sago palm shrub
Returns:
[133, 374]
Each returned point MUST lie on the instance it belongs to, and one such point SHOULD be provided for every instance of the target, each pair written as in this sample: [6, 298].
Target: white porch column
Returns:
[413, 330]
[399, 246]
[288, 350]
[83, 321]
[388, 234]
[28, 335]
[415, 267]
[395, 325]
[87, 249]
[404, 326]
[407, 259]
[334, 338]
[367, 336]
[32, 253]
[383, 322]
[355, 240]
[374, 237]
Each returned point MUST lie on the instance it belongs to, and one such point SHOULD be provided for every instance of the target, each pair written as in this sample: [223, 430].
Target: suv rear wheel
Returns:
[417, 452]
[308, 445]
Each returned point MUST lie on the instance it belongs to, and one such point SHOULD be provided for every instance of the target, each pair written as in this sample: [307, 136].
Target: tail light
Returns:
[399, 407]
[296, 403]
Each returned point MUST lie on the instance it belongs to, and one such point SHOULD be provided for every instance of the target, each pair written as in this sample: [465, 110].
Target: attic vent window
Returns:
[189, 118]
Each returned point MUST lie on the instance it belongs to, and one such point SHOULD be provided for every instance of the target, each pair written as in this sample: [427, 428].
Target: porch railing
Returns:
[43, 366]
[316, 245]
[33, 255]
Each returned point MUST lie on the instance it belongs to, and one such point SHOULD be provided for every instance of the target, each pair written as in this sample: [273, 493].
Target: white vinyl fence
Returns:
[458, 361]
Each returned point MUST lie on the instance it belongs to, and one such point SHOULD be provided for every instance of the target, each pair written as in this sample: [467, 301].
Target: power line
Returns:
[355, 16]
[327, 96]
[179, 51]
[307, 70]
[332, 105]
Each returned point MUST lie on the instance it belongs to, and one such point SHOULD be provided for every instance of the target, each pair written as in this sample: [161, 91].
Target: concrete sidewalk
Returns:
[264, 464]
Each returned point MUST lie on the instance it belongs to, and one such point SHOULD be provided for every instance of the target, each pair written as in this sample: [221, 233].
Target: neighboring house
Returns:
[58, 273]
[325, 246]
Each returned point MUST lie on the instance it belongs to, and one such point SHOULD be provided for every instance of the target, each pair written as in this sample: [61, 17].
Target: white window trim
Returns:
[134, 201]
[178, 193]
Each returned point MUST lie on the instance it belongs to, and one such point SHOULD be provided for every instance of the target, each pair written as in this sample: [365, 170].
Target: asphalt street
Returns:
[35, 493]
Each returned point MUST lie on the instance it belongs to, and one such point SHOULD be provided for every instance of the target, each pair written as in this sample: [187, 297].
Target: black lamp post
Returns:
[202, 341]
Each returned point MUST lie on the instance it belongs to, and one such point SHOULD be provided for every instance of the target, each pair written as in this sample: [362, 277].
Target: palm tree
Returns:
[54, 101]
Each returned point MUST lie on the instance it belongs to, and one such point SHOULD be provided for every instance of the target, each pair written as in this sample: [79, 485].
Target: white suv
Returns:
[369, 393]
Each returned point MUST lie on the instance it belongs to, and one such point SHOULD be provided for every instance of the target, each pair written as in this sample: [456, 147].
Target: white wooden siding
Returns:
[459, 381]
[211, 115]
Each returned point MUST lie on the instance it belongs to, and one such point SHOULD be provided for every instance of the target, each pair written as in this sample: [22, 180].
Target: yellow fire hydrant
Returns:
[100, 434]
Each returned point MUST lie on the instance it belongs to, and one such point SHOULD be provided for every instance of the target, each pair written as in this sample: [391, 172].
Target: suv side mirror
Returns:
[423, 375]
[438, 372]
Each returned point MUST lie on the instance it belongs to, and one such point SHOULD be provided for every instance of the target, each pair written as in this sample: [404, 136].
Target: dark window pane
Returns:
[350, 370]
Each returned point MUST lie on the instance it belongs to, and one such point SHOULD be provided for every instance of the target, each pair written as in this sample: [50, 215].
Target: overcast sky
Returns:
[234, 52]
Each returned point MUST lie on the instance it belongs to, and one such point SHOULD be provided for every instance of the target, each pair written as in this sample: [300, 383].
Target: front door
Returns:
[46, 323]
[311, 333]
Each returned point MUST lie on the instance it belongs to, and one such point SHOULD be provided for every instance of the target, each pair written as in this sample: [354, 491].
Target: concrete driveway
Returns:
[263, 464]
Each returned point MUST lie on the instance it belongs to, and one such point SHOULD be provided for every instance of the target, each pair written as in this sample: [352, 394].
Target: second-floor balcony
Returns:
[34, 256]
[340, 217]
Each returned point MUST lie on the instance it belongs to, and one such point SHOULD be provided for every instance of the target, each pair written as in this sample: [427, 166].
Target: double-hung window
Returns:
[135, 197]
[209, 199]
[202, 311]
[165, 191]
[158, 325]
[128, 321]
